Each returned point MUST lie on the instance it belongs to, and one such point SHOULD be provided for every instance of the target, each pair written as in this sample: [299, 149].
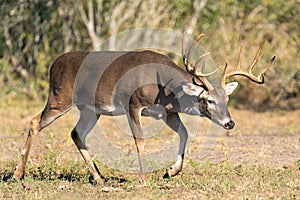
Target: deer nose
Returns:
[229, 125]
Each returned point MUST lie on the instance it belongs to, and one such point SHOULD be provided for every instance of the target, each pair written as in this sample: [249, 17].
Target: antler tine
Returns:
[186, 59]
[262, 74]
[192, 68]
[224, 77]
[248, 73]
[188, 65]
[201, 57]
[269, 64]
[193, 45]
[256, 57]
[203, 68]
[196, 73]
[202, 76]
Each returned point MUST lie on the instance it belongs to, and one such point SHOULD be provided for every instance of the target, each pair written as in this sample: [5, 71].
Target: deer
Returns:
[153, 81]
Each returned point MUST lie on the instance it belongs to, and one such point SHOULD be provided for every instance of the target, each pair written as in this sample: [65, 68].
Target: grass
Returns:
[241, 166]
[207, 179]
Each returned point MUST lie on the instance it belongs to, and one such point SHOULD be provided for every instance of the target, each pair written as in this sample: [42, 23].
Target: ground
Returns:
[259, 159]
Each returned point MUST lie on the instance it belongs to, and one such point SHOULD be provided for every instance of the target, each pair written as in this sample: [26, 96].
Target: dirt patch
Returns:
[274, 150]
[269, 138]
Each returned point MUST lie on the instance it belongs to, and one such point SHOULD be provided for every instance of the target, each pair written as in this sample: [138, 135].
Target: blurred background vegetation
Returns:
[34, 32]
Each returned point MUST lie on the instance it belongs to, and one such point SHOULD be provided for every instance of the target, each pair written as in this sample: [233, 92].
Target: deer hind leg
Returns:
[86, 122]
[134, 119]
[174, 122]
[40, 121]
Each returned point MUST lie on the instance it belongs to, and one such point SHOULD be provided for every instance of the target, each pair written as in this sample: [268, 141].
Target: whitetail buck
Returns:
[153, 81]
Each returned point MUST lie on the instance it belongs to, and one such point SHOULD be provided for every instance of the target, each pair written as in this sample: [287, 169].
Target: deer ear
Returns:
[191, 89]
[230, 87]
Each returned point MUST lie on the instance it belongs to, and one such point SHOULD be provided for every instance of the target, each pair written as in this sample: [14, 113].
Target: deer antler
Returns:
[247, 73]
[192, 69]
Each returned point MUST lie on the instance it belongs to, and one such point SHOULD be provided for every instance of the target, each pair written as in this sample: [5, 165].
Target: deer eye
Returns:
[211, 101]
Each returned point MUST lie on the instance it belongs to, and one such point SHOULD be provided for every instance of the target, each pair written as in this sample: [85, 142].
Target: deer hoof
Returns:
[18, 176]
[173, 171]
[19, 172]
[142, 181]
[96, 180]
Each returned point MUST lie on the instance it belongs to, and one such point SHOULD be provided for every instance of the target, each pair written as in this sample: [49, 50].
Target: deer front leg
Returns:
[174, 122]
[86, 122]
[134, 120]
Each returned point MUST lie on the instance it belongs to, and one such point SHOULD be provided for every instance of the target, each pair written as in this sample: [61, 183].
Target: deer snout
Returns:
[229, 125]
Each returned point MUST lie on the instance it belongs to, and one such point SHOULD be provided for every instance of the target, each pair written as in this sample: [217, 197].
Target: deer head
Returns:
[213, 99]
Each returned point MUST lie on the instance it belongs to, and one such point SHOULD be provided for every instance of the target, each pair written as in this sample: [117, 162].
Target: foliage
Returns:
[34, 32]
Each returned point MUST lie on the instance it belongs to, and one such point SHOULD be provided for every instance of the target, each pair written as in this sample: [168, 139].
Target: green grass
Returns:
[71, 180]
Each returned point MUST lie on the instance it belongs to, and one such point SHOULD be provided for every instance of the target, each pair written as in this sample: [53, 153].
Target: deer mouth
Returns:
[227, 125]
